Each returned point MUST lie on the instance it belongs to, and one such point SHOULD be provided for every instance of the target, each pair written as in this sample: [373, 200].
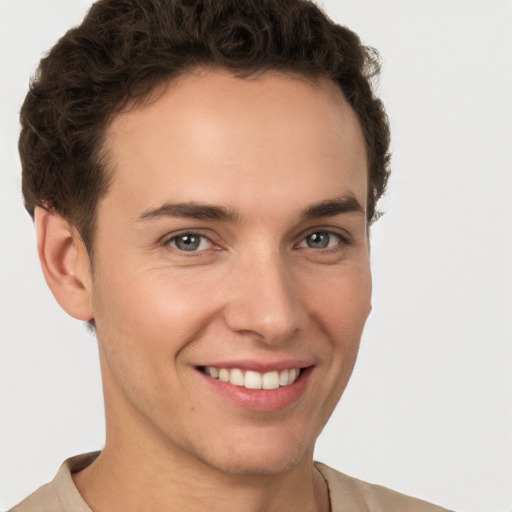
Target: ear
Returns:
[65, 263]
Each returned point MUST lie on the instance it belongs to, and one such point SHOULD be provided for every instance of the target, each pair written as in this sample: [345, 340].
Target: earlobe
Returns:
[65, 263]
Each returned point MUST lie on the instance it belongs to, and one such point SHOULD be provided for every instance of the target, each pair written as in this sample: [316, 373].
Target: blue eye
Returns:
[321, 240]
[190, 242]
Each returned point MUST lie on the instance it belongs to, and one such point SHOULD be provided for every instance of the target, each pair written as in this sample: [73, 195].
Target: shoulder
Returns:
[59, 495]
[350, 494]
[41, 499]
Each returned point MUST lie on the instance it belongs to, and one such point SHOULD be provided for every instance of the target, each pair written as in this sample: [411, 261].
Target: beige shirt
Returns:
[347, 494]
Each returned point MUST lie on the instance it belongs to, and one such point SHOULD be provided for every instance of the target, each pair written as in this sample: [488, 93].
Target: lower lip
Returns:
[260, 399]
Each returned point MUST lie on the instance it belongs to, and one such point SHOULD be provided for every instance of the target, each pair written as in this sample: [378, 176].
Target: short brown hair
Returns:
[124, 49]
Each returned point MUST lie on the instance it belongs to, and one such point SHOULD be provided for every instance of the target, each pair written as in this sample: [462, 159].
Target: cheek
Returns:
[343, 303]
[341, 308]
[143, 323]
[152, 310]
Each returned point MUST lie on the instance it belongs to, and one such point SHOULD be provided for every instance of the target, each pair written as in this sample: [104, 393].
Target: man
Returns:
[202, 176]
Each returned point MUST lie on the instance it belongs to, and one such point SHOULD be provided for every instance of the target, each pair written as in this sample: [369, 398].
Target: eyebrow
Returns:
[199, 211]
[331, 207]
[190, 210]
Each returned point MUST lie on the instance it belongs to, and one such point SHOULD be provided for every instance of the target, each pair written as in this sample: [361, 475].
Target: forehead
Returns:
[208, 135]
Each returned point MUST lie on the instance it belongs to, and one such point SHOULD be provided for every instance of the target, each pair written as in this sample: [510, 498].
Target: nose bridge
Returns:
[265, 299]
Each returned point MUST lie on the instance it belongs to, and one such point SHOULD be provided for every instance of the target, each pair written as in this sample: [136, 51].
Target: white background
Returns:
[429, 409]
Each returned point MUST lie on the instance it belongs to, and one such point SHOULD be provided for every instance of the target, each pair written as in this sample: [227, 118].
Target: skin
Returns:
[266, 148]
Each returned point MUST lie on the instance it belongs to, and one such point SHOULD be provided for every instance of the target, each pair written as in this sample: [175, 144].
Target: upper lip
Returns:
[261, 366]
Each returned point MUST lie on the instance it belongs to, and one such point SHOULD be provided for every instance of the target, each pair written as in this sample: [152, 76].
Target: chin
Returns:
[254, 466]
[258, 458]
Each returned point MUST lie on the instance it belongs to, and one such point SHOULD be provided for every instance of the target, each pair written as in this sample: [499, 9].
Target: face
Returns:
[231, 276]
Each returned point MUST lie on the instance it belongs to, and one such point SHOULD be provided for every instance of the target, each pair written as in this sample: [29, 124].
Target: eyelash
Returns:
[343, 241]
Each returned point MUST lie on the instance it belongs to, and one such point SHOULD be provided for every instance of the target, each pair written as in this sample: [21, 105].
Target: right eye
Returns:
[190, 242]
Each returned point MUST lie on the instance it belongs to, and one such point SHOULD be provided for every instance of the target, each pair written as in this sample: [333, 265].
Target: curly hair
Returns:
[125, 49]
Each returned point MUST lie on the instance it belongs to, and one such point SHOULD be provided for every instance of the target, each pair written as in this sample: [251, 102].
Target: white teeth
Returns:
[254, 380]
[236, 377]
[224, 375]
[270, 380]
[292, 375]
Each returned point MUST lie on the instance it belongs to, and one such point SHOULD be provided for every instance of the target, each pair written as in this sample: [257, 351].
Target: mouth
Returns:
[268, 390]
[250, 379]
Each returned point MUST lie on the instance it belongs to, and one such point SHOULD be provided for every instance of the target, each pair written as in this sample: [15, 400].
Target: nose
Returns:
[265, 300]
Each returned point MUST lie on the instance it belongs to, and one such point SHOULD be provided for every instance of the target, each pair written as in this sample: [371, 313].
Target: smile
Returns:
[251, 379]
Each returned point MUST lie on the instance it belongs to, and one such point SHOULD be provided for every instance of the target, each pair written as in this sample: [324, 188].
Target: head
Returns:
[125, 51]
[219, 162]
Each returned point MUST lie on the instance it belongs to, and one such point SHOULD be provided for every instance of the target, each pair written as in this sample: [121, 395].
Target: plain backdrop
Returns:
[429, 408]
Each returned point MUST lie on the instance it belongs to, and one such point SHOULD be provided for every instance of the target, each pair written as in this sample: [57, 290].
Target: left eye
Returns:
[321, 240]
[190, 242]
